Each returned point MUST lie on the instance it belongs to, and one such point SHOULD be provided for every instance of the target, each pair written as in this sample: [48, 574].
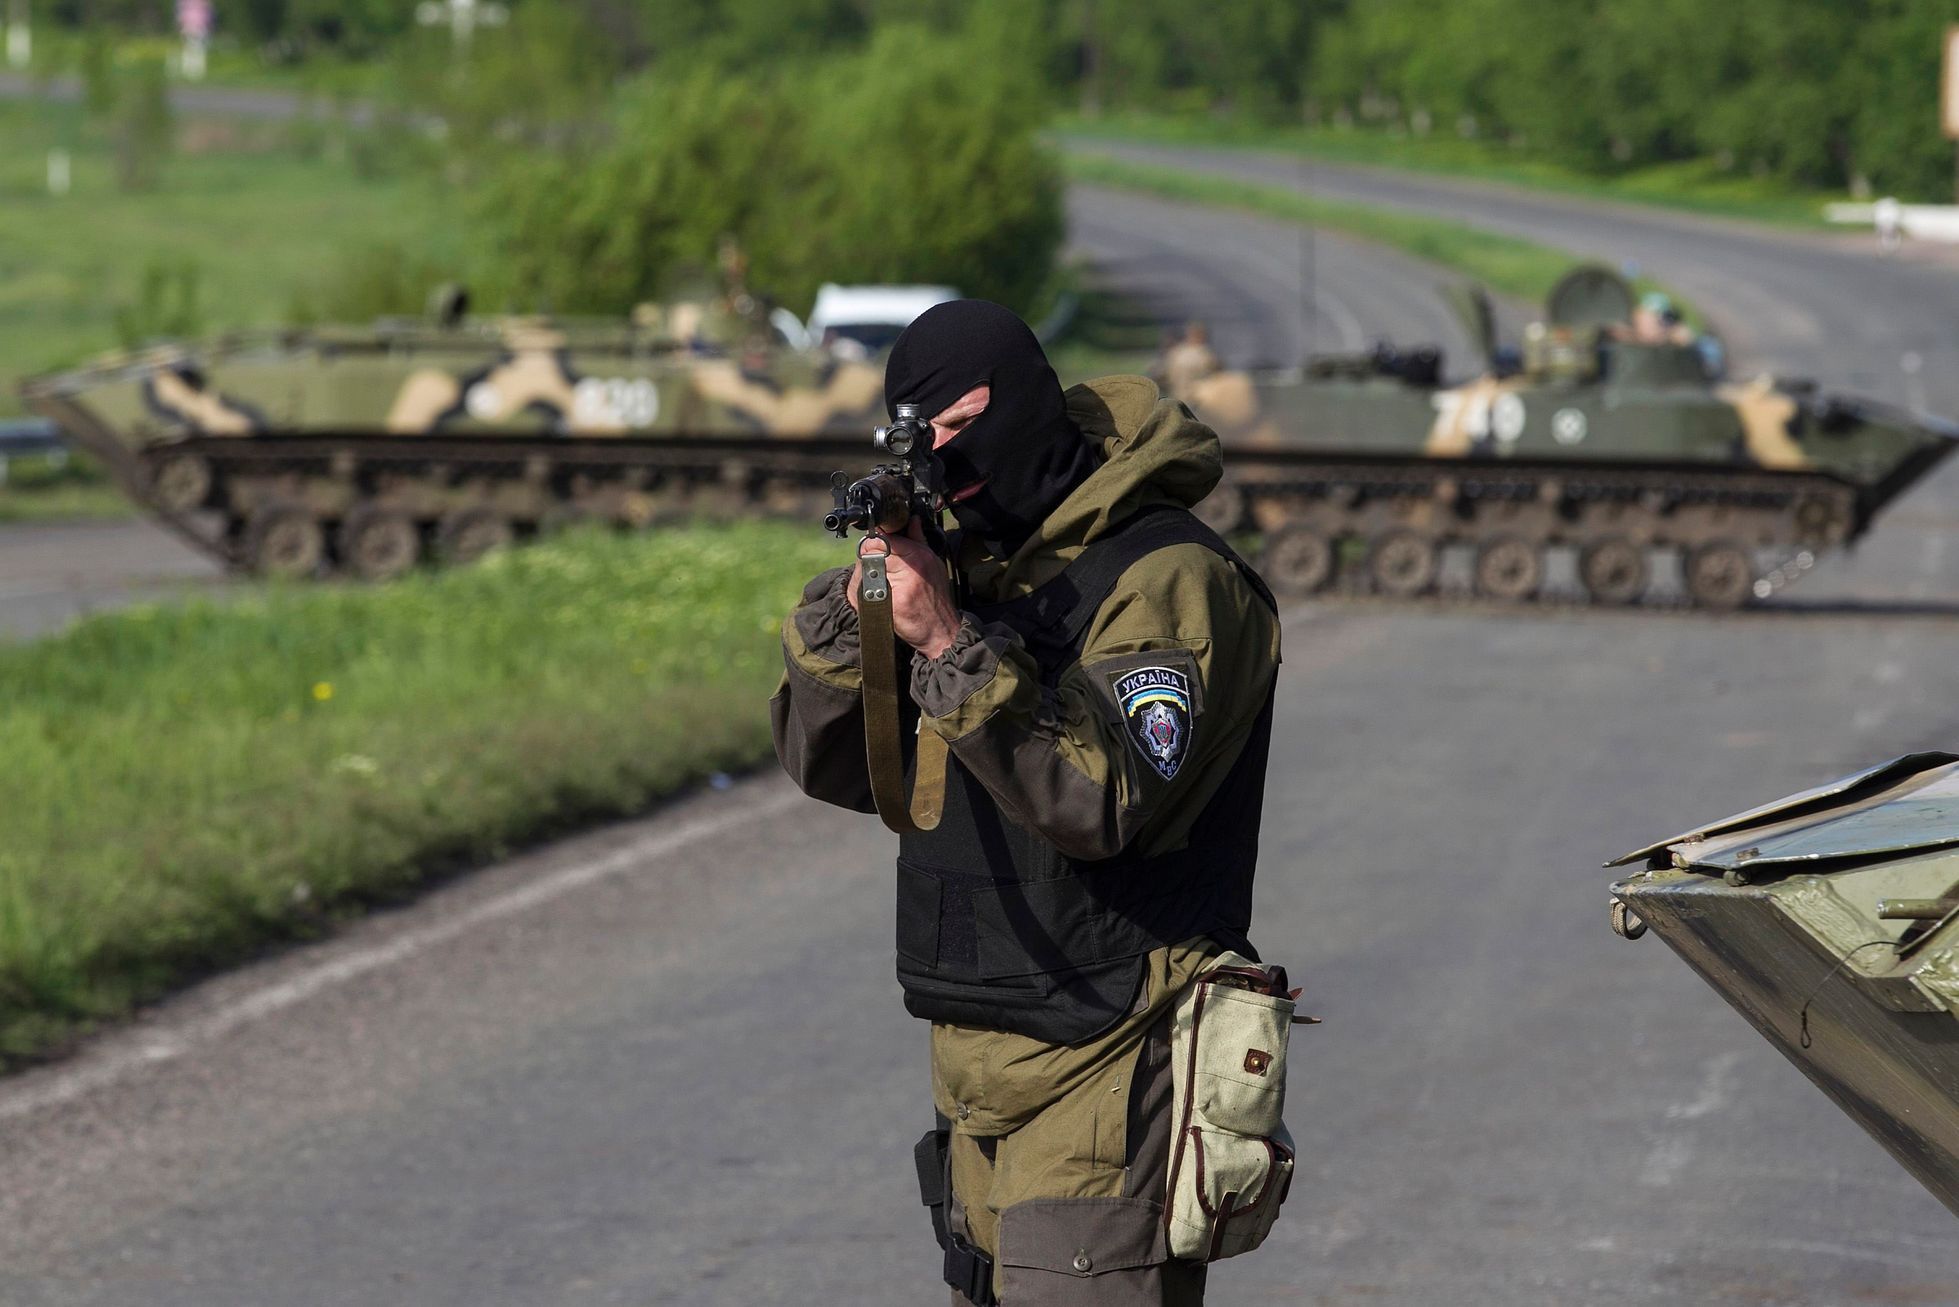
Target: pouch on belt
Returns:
[1231, 1160]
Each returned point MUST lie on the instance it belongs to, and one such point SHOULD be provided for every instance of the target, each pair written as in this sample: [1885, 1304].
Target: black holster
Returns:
[967, 1269]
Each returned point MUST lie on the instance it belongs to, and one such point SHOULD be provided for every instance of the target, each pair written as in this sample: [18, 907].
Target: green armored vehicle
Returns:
[290, 452]
[1830, 919]
[1606, 438]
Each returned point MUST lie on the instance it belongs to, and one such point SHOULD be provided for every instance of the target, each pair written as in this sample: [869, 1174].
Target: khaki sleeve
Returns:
[817, 713]
[1134, 739]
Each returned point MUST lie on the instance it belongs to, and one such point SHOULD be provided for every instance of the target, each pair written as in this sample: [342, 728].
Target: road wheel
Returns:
[1297, 561]
[379, 544]
[1822, 520]
[1403, 563]
[285, 543]
[1720, 575]
[181, 483]
[1613, 570]
[1224, 510]
[1509, 568]
[466, 536]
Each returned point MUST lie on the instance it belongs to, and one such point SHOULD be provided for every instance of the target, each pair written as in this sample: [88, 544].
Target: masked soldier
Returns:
[1106, 695]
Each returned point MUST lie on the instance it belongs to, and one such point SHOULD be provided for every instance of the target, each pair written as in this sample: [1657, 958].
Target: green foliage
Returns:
[692, 157]
[145, 131]
[98, 74]
[735, 33]
[1245, 55]
[192, 781]
[859, 167]
[911, 183]
[1814, 92]
[356, 25]
[258, 224]
[538, 81]
[381, 280]
[165, 307]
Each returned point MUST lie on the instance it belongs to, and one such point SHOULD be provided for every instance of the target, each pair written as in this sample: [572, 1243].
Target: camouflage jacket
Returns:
[1060, 762]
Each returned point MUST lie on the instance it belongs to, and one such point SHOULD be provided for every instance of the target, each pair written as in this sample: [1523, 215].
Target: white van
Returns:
[864, 319]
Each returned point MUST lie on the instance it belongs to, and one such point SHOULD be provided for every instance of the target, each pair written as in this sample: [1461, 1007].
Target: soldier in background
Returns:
[1657, 321]
[1105, 692]
[1188, 360]
[1190, 371]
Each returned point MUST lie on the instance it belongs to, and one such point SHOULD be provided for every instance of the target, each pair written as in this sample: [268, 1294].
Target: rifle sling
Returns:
[884, 749]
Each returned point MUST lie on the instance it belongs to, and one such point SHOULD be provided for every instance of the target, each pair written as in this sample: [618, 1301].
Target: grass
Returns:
[252, 218]
[190, 783]
[1505, 264]
[41, 490]
[1697, 185]
[259, 213]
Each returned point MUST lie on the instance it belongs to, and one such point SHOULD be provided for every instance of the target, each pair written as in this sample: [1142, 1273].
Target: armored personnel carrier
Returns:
[368, 449]
[1830, 920]
[1599, 438]
[294, 452]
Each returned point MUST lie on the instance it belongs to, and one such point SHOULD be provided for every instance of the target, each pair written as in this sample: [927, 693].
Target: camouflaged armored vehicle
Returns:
[1613, 445]
[1830, 920]
[291, 452]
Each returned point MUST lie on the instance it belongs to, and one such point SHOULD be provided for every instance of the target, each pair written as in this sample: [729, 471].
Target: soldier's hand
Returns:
[922, 611]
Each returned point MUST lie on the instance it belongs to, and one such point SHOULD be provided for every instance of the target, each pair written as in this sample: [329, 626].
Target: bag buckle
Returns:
[970, 1271]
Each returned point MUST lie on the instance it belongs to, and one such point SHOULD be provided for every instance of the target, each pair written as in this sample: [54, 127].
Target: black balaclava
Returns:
[1024, 447]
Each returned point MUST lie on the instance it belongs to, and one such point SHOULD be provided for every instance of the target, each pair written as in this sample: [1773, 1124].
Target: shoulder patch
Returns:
[1155, 703]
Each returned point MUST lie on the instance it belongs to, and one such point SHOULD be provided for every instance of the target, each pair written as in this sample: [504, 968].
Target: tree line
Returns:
[593, 177]
[1833, 93]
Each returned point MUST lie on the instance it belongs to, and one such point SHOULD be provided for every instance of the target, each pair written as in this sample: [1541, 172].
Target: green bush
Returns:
[389, 279]
[537, 83]
[166, 304]
[1808, 92]
[912, 160]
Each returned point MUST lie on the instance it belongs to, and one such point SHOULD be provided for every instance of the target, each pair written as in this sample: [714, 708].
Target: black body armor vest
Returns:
[997, 927]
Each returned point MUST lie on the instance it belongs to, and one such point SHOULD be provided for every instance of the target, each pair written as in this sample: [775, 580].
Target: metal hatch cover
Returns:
[1923, 814]
[1590, 295]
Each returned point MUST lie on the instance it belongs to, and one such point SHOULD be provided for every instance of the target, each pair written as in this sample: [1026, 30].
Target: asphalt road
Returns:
[1815, 304]
[666, 1063]
[217, 101]
[52, 574]
[1270, 292]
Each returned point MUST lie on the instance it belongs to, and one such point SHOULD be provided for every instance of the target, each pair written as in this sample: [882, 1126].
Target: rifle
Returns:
[892, 494]
[885, 502]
